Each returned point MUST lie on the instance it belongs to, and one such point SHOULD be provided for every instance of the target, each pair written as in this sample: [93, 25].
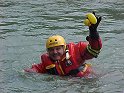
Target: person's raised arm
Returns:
[95, 43]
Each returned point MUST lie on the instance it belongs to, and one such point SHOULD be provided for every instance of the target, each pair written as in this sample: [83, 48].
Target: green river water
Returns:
[26, 24]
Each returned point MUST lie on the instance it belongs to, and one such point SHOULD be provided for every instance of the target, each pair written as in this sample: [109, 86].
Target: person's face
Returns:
[55, 53]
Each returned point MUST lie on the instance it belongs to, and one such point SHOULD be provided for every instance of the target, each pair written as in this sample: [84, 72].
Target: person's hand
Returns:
[93, 27]
[29, 70]
[93, 34]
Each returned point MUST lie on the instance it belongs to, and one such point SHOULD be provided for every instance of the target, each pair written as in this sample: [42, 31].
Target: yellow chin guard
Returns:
[91, 19]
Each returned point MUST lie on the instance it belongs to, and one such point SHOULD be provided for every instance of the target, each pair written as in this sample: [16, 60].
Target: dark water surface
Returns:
[25, 26]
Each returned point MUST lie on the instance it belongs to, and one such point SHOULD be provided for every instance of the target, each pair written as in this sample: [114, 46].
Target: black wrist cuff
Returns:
[94, 35]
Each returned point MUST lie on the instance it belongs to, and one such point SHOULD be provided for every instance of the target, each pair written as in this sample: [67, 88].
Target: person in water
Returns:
[69, 59]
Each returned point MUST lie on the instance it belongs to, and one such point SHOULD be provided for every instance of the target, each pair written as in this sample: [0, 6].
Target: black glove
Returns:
[93, 28]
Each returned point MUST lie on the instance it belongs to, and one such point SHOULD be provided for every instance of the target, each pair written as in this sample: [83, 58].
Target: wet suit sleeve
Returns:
[90, 49]
[39, 68]
[36, 68]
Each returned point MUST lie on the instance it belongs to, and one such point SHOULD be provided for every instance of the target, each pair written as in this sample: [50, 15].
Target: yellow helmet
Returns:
[55, 40]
